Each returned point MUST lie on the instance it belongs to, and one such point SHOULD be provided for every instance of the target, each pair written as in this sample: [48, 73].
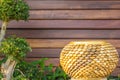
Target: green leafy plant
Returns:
[37, 70]
[113, 78]
[12, 10]
[15, 50]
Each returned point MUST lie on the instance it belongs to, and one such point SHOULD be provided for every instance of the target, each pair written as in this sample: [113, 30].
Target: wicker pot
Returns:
[88, 60]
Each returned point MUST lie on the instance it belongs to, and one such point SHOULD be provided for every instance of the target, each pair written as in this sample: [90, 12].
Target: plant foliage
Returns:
[15, 48]
[13, 10]
[37, 70]
[113, 78]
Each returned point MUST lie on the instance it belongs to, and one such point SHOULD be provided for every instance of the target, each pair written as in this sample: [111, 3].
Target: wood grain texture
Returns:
[47, 53]
[72, 4]
[60, 43]
[69, 24]
[67, 34]
[50, 53]
[55, 62]
[116, 72]
[54, 23]
[53, 47]
[74, 14]
[44, 53]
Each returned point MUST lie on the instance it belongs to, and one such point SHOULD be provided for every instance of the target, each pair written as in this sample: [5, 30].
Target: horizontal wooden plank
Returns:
[55, 62]
[74, 14]
[66, 34]
[60, 43]
[71, 24]
[54, 53]
[116, 72]
[42, 53]
[65, 4]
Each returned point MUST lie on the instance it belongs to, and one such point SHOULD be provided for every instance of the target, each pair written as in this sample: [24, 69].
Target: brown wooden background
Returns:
[54, 23]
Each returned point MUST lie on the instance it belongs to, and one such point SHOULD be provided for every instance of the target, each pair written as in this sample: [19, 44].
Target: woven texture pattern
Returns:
[88, 59]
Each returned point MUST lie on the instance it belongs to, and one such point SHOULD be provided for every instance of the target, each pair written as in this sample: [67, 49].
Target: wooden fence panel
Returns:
[54, 23]
[69, 34]
[72, 4]
[66, 24]
[50, 53]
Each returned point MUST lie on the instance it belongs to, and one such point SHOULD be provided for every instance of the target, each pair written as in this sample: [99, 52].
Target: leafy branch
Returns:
[11, 10]
[15, 50]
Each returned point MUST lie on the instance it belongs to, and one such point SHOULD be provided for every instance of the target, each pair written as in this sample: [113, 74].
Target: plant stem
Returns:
[20, 72]
[7, 69]
[3, 30]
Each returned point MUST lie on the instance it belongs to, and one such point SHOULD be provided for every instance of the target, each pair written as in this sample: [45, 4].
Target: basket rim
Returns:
[88, 42]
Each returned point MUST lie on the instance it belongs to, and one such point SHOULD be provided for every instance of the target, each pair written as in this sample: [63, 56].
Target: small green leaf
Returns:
[14, 47]
[14, 10]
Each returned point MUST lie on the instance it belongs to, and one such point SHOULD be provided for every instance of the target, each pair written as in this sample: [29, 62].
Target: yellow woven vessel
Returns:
[88, 59]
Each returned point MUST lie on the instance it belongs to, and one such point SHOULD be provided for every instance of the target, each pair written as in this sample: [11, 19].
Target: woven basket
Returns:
[88, 59]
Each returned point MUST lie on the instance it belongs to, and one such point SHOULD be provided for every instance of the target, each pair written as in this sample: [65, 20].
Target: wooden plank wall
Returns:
[54, 23]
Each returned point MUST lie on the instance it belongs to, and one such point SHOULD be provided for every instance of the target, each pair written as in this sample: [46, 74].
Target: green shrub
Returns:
[14, 48]
[13, 10]
[37, 70]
